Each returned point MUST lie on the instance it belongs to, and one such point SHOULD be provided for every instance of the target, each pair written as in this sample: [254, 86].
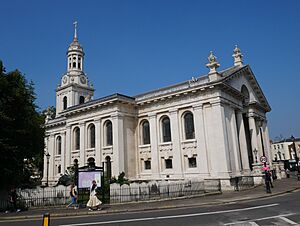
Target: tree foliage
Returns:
[21, 131]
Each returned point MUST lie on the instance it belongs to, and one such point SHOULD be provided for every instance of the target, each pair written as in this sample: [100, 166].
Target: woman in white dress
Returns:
[93, 203]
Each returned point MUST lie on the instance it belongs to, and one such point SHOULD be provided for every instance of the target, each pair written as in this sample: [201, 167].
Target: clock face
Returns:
[65, 80]
[83, 80]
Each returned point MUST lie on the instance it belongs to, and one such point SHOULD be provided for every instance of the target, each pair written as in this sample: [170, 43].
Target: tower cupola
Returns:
[75, 54]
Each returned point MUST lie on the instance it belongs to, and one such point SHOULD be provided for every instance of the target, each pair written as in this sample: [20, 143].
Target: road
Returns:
[280, 210]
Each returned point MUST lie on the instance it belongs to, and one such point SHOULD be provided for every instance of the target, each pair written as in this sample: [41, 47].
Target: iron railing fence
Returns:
[59, 196]
[145, 192]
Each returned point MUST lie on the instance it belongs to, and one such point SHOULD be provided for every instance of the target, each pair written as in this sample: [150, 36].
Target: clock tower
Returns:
[74, 88]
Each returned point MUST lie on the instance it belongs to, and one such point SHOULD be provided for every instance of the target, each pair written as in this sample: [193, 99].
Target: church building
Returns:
[209, 127]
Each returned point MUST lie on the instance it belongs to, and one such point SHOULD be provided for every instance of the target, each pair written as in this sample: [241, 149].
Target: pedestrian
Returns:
[93, 203]
[12, 198]
[267, 181]
[287, 173]
[73, 195]
[271, 179]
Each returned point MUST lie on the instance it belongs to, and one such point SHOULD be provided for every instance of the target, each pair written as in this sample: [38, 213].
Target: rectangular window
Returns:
[168, 163]
[147, 165]
[192, 162]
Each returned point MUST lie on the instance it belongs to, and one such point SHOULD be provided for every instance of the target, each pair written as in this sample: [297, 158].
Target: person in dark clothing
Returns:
[268, 181]
[12, 198]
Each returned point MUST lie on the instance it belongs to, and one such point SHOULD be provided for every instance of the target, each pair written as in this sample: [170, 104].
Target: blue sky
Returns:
[134, 46]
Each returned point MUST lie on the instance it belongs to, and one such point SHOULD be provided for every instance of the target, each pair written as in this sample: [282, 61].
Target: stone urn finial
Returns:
[237, 56]
[212, 63]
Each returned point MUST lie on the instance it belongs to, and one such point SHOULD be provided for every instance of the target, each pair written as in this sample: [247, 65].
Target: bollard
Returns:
[46, 219]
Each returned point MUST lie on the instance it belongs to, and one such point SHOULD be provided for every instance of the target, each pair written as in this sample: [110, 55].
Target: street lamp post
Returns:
[48, 157]
[296, 157]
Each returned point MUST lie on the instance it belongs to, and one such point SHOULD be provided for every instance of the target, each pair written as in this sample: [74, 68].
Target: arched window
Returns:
[81, 99]
[74, 62]
[189, 126]
[166, 129]
[91, 162]
[65, 103]
[91, 133]
[76, 138]
[58, 145]
[108, 133]
[145, 132]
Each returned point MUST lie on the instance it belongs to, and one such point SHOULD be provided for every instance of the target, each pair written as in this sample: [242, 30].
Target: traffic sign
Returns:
[263, 159]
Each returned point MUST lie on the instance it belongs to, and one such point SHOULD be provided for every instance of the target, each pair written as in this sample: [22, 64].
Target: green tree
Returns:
[21, 131]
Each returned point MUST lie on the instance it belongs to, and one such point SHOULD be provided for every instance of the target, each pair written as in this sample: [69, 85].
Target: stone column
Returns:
[155, 163]
[63, 152]
[98, 157]
[82, 153]
[235, 143]
[243, 143]
[118, 144]
[202, 158]
[68, 146]
[176, 147]
[267, 142]
[218, 143]
[254, 141]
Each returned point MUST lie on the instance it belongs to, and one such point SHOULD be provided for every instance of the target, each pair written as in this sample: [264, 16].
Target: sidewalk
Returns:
[280, 187]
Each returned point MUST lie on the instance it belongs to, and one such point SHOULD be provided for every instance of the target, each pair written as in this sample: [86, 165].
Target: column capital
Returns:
[97, 121]
[116, 115]
[152, 115]
[198, 106]
[173, 111]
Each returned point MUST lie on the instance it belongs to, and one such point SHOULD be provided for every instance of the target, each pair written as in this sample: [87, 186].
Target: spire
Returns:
[237, 56]
[75, 30]
[212, 63]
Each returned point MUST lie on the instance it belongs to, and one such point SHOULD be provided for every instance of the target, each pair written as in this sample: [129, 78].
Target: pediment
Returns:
[245, 77]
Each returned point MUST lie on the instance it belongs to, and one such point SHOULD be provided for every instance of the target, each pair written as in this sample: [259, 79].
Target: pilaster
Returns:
[63, 152]
[118, 144]
[177, 156]
[82, 152]
[51, 150]
[155, 168]
[68, 146]
[202, 157]
[98, 157]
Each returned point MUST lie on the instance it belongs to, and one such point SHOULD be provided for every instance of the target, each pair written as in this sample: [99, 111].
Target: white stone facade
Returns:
[206, 127]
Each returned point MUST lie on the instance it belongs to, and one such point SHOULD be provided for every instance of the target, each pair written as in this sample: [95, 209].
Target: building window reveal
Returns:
[192, 162]
[147, 164]
[168, 163]
[166, 129]
[189, 126]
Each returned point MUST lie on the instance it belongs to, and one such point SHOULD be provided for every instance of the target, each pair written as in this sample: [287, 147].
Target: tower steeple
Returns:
[75, 54]
[75, 30]
[74, 88]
